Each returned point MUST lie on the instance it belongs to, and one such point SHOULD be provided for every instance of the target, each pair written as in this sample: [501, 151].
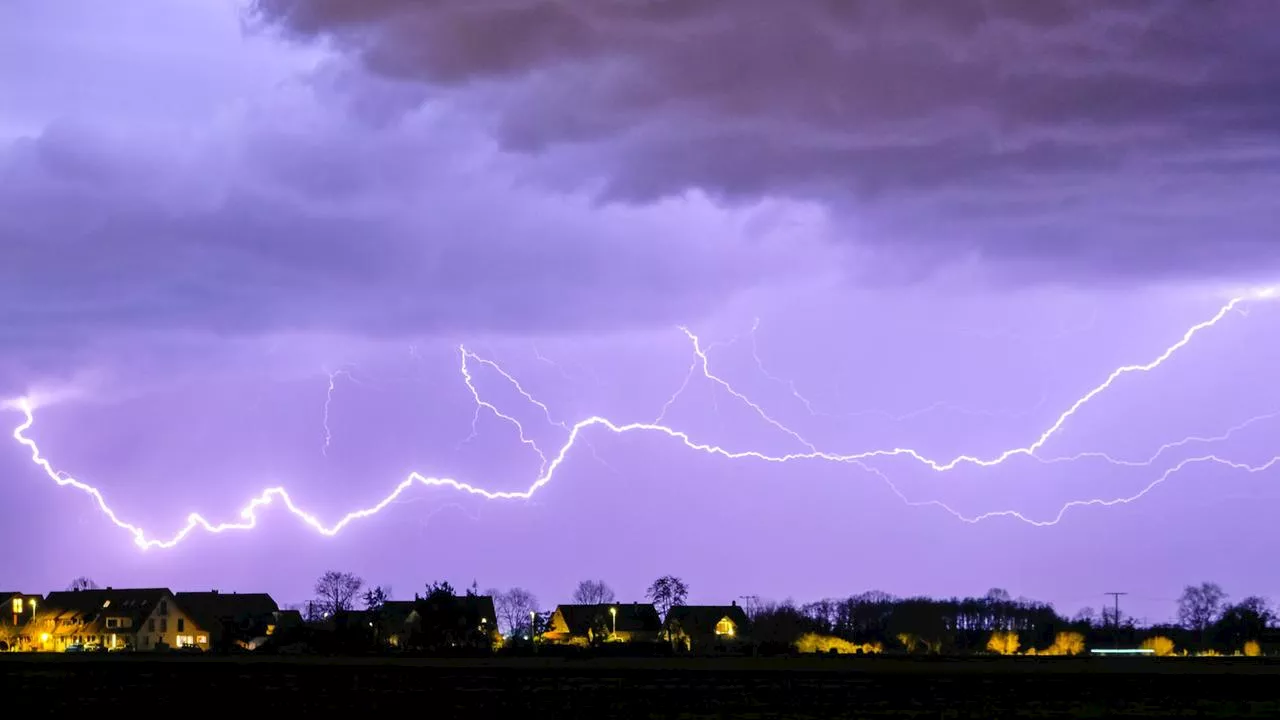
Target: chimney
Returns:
[734, 603]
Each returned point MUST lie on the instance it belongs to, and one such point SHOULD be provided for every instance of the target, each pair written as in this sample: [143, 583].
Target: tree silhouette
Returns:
[1240, 623]
[593, 592]
[83, 583]
[667, 592]
[376, 597]
[1201, 605]
[513, 608]
[336, 592]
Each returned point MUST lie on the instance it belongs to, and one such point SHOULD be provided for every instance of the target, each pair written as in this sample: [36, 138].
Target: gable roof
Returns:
[702, 619]
[208, 609]
[88, 606]
[632, 617]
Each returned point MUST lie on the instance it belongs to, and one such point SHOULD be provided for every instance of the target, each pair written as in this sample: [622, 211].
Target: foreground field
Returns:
[651, 688]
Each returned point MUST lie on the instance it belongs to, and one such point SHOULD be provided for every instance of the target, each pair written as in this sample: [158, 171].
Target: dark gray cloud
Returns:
[279, 225]
[1074, 138]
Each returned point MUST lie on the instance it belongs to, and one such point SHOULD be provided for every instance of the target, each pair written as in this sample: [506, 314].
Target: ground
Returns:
[794, 688]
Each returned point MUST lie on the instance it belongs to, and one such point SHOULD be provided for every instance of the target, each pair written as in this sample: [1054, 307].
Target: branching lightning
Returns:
[551, 462]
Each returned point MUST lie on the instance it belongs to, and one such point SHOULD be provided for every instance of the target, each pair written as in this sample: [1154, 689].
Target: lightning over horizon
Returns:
[551, 461]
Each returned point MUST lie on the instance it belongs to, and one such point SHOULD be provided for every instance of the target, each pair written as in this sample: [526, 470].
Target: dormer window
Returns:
[724, 627]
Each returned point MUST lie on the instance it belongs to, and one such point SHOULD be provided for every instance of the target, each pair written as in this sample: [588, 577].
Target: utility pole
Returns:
[1116, 617]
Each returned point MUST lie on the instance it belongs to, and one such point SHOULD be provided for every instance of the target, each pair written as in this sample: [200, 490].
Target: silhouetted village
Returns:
[348, 618]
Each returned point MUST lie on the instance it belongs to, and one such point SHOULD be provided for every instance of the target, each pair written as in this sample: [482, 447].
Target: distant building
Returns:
[450, 621]
[110, 619]
[231, 619]
[706, 628]
[17, 610]
[616, 622]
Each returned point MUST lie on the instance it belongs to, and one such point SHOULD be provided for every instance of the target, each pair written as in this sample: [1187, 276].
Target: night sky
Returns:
[320, 245]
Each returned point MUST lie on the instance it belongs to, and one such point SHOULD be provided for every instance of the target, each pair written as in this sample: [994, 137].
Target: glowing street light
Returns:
[614, 612]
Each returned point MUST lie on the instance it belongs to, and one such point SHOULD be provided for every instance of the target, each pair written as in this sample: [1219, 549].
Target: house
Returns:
[616, 622]
[440, 621]
[110, 619]
[395, 619]
[706, 628]
[231, 619]
[17, 610]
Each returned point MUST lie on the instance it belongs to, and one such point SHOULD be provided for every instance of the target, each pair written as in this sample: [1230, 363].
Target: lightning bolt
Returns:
[328, 400]
[551, 463]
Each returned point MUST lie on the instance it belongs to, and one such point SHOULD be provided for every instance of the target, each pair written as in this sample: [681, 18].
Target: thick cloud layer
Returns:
[1072, 138]
[262, 203]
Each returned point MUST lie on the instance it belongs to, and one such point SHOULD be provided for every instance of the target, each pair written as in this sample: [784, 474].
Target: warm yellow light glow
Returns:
[1252, 649]
[1003, 642]
[815, 643]
[1064, 643]
[17, 605]
[724, 627]
[106, 603]
[1160, 646]
[44, 637]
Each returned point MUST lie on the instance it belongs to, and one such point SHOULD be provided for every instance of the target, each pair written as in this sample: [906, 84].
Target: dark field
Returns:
[817, 687]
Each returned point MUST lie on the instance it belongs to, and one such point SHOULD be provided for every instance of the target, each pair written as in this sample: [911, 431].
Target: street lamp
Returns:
[614, 612]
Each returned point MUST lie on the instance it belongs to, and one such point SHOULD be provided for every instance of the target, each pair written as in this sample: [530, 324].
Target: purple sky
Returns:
[945, 229]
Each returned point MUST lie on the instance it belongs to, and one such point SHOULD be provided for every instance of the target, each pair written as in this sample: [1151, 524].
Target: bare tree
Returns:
[667, 592]
[337, 591]
[1200, 606]
[83, 583]
[514, 607]
[593, 592]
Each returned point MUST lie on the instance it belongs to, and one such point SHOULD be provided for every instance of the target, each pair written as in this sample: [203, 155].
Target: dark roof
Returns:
[702, 619]
[210, 608]
[395, 613]
[482, 605]
[89, 605]
[632, 617]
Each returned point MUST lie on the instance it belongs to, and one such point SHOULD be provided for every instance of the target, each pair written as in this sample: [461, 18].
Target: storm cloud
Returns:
[264, 203]
[1066, 139]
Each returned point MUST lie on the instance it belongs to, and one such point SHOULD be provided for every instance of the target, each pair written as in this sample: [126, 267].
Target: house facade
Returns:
[706, 628]
[110, 619]
[614, 622]
[17, 611]
[226, 619]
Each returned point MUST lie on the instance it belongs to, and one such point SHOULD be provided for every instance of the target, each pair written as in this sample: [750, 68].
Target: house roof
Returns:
[208, 609]
[632, 617]
[702, 619]
[395, 613]
[89, 606]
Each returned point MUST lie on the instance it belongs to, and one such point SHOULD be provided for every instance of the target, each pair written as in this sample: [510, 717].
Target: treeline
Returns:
[870, 622]
[876, 622]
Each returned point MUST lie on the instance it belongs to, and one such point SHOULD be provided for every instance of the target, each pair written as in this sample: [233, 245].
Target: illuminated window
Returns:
[202, 639]
[17, 605]
[106, 603]
[113, 622]
[184, 641]
[724, 627]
